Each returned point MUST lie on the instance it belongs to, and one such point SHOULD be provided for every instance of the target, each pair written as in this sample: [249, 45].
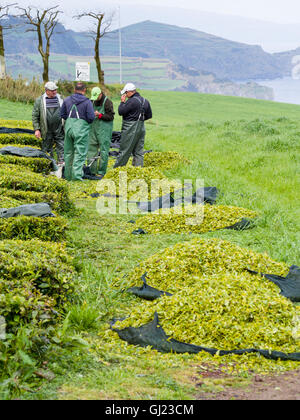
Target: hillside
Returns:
[183, 46]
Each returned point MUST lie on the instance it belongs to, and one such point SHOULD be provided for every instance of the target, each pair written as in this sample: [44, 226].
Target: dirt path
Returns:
[280, 387]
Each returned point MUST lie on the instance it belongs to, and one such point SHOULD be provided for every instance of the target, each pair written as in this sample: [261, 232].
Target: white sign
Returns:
[83, 72]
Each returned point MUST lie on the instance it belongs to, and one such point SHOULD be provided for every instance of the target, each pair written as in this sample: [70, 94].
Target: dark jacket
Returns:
[109, 114]
[134, 107]
[39, 114]
[84, 106]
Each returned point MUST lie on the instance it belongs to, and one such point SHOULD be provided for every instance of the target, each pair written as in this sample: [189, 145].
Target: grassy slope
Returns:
[254, 165]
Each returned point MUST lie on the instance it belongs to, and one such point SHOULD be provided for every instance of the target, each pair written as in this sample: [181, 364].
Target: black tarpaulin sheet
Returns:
[30, 210]
[289, 285]
[27, 152]
[147, 292]
[153, 335]
[207, 195]
[5, 130]
[243, 224]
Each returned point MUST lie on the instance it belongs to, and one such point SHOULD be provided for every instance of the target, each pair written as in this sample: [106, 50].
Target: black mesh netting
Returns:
[152, 334]
[27, 152]
[30, 210]
[5, 130]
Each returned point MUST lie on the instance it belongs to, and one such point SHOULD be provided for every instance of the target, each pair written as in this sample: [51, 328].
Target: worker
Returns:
[101, 132]
[78, 112]
[47, 122]
[135, 110]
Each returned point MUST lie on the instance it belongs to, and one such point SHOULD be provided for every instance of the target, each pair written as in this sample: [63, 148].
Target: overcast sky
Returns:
[267, 23]
[280, 11]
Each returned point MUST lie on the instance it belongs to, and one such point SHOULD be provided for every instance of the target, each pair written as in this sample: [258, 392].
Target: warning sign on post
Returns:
[83, 72]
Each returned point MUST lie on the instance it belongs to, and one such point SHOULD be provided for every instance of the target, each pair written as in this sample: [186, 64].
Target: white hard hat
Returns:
[51, 86]
[130, 87]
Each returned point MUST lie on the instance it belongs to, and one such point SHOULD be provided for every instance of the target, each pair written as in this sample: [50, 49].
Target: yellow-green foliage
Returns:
[196, 219]
[216, 302]
[226, 312]
[155, 183]
[35, 277]
[26, 228]
[19, 138]
[14, 198]
[16, 124]
[164, 160]
[9, 202]
[38, 165]
[11, 177]
[51, 189]
[186, 263]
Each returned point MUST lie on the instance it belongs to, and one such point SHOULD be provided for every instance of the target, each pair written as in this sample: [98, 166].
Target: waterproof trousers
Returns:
[76, 147]
[99, 142]
[57, 140]
[132, 143]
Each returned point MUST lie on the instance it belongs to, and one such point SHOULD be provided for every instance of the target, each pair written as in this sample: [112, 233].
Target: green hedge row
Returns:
[39, 165]
[15, 198]
[26, 228]
[12, 178]
[35, 279]
[25, 139]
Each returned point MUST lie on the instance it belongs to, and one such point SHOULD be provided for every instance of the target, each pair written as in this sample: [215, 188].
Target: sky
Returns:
[255, 22]
[279, 11]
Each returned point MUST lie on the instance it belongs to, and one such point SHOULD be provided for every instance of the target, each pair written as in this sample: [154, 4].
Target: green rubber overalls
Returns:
[76, 146]
[99, 141]
[132, 141]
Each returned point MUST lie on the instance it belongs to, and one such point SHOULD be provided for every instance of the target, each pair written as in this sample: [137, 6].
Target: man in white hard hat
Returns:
[47, 122]
[135, 110]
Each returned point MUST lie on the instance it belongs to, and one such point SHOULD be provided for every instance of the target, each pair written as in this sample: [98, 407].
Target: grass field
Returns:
[250, 150]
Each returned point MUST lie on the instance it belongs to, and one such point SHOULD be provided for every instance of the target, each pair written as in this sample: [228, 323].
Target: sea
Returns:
[285, 90]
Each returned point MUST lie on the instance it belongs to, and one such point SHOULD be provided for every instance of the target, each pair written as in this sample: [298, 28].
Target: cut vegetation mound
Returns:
[195, 219]
[206, 297]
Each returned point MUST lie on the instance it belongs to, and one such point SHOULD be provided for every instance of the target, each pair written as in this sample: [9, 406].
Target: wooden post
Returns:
[2, 58]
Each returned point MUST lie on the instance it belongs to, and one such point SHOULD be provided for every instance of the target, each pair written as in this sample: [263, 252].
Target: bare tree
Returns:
[44, 23]
[4, 11]
[102, 26]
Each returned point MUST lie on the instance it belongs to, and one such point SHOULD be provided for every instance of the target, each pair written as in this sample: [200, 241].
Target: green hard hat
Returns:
[96, 91]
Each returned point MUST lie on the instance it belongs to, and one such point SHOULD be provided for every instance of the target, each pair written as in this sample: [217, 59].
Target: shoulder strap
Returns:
[74, 107]
[142, 112]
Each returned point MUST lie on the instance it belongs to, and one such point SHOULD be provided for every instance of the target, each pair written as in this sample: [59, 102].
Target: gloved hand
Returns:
[100, 116]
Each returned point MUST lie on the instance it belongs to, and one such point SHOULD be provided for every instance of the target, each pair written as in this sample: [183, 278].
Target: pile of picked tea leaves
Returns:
[187, 263]
[214, 301]
[194, 219]
[229, 311]
[136, 183]
[164, 160]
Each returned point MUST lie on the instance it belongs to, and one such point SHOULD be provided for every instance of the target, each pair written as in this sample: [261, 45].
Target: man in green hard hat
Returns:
[101, 132]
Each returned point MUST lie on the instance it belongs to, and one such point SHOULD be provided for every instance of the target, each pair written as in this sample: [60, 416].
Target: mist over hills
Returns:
[272, 36]
[186, 47]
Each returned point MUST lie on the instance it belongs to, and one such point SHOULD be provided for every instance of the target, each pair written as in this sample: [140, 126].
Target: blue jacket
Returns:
[84, 106]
